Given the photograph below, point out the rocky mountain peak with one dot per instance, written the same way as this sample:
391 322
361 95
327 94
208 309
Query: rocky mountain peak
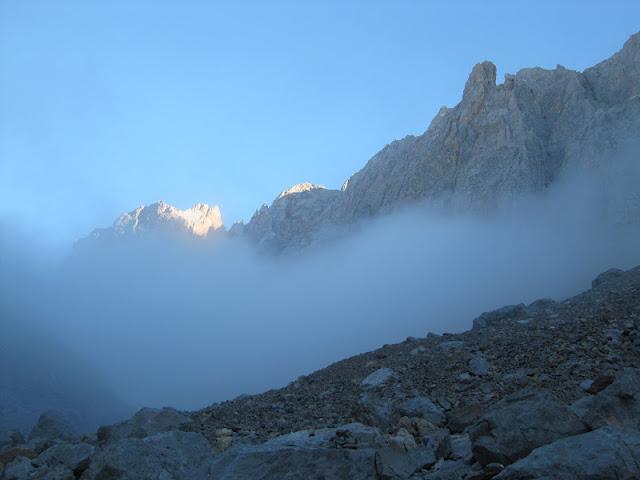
481 80
299 188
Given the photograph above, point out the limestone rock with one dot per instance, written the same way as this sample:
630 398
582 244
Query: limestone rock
519 423
602 453
170 455
617 405
145 422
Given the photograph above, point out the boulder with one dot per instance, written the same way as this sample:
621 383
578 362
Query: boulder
422 407
617 405
145 422
74 457
460 418
19 469
53 426
392 464
169 455
374 408
519 423
378 378
602 453
479 366
274 460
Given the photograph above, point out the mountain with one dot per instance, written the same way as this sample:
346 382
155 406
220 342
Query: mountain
200 220
502 141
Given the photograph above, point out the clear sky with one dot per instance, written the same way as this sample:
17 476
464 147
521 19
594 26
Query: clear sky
107 105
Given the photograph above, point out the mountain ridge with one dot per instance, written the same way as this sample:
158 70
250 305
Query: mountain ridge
499 142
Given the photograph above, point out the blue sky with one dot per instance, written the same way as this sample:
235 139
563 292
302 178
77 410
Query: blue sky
108 105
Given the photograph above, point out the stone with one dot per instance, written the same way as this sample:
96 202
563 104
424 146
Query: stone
602 453
275 460
617 405
519 423
53 426
374 409
402 441
19 469
479 366
75 457
145 422
378 378
600 383
422 407
391 464
170 455
460 418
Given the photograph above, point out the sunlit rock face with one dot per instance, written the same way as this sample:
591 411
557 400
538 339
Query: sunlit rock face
199 221
499 143
298 217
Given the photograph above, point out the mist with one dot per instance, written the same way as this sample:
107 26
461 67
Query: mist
187 323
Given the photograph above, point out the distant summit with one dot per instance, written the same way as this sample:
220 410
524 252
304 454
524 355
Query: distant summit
201 220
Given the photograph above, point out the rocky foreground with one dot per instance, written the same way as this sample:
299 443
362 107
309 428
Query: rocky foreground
544 391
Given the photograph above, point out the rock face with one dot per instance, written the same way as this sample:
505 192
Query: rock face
519 423
500 142
298 217
603 453
145 422
161 218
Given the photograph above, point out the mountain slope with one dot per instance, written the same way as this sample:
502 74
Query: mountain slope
499 143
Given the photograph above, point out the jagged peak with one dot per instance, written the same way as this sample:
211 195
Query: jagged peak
299 188
481 79
199 220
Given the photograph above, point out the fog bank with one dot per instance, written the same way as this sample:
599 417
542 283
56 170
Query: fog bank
162 322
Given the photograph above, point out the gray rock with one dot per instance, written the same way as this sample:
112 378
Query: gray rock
603 453
460 418
461 447
479 366
617 405
74 457
392 464
270 461
422 407
448 470
378 378
145 422
374 409
19 469
170 455
519 423
352 435
53 426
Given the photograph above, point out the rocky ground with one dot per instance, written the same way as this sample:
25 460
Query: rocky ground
542 391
